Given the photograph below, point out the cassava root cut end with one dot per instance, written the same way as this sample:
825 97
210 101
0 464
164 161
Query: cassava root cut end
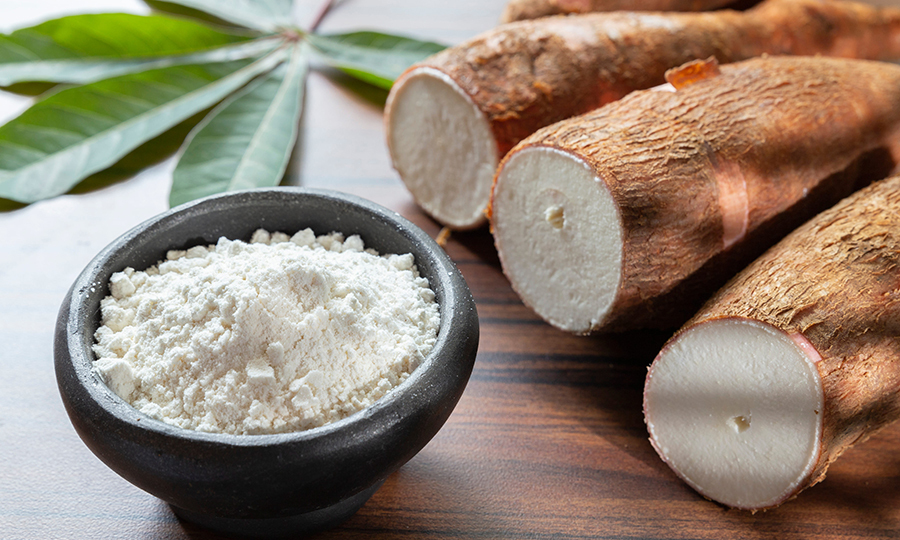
734 407
442 146
565 231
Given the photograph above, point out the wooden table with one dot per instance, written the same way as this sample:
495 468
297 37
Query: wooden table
547 442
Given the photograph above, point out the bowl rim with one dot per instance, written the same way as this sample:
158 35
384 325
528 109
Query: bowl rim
450 298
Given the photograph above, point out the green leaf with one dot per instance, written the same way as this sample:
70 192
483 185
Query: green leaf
24 76
112 36
373 57
86 48
149 153
78 131
160 6
266 15
247 140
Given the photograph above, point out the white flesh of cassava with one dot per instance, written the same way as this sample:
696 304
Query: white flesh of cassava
734 406
442 146
559 237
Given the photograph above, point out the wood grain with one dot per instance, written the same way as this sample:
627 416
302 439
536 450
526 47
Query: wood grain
548 440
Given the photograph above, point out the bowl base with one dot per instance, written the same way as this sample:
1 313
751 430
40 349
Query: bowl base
298 524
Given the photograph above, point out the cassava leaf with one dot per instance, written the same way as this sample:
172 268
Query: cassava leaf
77 71
78 131
247 140
113 36
149 153
160 6
266 15
373 57
86 48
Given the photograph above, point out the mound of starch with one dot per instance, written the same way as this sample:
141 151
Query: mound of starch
279 334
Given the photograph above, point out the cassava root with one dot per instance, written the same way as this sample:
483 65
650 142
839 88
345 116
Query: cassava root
520 10
450 119
792 362
631 215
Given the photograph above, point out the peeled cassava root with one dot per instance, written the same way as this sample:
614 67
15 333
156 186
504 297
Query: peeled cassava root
451 118
520 10
790 364
630 216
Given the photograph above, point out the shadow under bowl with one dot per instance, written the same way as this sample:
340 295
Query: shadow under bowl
264 485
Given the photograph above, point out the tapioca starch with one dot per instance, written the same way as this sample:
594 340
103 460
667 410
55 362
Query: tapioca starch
279 334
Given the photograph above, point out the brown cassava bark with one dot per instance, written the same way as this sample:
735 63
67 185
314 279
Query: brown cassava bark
707 177
519 10
529 74
836 281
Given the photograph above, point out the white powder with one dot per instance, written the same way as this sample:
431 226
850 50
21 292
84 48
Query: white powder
281 334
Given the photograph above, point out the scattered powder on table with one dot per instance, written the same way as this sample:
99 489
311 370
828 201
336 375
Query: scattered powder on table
281 334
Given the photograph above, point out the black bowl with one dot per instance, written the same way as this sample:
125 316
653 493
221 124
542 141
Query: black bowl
263 485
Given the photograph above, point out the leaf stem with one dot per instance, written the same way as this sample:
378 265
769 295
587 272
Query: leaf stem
326 7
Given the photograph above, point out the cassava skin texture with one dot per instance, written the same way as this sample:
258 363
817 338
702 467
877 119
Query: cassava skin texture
826 299
631 215
450 119
519 10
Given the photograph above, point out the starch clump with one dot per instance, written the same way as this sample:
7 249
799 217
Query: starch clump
279 334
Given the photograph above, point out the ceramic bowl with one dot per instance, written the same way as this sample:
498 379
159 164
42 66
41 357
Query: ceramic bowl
265 485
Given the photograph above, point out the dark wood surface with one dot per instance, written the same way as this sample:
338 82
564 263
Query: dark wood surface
548 440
